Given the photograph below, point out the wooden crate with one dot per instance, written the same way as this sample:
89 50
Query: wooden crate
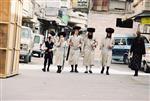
2 61
19 13
16 62
9 62
13 10
3 35
18 38
4 10
11 36
10 27
6 64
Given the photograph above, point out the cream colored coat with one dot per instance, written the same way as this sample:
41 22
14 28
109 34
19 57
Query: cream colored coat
60 50
74 49
88 51
106 51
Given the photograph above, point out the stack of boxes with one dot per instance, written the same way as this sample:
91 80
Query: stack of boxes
10 27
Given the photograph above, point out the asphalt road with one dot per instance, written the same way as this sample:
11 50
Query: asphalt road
33 84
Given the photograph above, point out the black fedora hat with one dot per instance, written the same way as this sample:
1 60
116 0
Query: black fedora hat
109 30
76 28
91 30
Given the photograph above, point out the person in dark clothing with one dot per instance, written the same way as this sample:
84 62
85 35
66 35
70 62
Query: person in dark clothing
137 49
48 53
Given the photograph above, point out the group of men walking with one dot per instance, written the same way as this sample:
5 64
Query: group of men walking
57 46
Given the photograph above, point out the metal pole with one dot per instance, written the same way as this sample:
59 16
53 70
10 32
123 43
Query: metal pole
88 12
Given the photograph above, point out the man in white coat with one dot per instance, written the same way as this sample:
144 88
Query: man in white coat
106 48
75 44
89 45
60 51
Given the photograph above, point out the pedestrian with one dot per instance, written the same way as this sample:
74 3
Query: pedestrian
137 49
89 45
106 49
60 51
48 58
74 51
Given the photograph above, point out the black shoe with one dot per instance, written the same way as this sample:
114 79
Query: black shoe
107 73
43 70
76 71
90 71
47 70
135 75
72 69
86 72
59 71
102 71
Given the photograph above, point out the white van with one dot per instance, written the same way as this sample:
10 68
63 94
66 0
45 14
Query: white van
38 41
26 44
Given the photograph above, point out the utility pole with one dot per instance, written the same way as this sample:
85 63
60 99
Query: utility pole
89 3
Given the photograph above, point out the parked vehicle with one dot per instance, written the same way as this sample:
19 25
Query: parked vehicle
26 45
38 41
122 46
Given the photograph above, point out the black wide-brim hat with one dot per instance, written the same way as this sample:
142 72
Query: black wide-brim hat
62 33
76 28
91 30
109 30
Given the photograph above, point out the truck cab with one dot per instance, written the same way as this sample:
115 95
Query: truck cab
26 44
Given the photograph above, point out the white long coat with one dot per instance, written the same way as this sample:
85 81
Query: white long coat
74 49
88 51
60 50
106 52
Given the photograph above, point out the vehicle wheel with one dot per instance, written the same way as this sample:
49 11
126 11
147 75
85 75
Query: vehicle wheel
26 60
126 60
39 55
146 68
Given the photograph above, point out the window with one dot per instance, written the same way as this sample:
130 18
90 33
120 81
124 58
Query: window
117 41
120 41
129 41
36 39
25 33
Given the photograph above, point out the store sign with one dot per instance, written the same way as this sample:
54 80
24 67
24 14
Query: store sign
63 14
145 20
80 3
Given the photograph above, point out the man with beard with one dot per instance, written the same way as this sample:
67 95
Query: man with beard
106 49
74 44
137 49
89 45
60 51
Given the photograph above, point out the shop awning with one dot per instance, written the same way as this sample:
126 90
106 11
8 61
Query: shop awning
138 17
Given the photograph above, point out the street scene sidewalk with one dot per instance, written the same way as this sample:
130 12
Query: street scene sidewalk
33 84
